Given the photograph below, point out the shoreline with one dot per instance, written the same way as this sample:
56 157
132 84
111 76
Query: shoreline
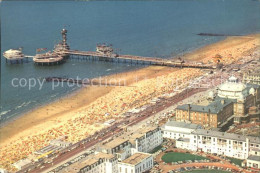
74 92
70 93
85 110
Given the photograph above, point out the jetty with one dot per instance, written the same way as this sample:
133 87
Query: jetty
134 59
214 34
106 53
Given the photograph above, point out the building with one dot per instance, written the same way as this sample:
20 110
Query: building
176 130
104 49
232 99
121 147
122 153
3 170
192 137
243 96
252 77
137 163
145 140
60 143
212 115
253 162
22 164
95 163
54 146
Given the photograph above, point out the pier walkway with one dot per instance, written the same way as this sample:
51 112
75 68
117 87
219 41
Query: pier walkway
134 59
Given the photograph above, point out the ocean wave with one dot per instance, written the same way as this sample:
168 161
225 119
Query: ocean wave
22 105
54 95
4 112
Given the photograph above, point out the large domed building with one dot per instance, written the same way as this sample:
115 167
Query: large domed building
232 98
243 96
232 89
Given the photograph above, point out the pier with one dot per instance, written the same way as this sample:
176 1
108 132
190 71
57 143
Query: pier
103 52
133 59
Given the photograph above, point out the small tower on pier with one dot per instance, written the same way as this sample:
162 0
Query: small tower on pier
62 47
64 39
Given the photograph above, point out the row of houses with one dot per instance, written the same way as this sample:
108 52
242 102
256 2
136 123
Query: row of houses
128 154
194 137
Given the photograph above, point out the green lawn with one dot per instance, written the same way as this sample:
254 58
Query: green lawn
236 161
175 157
156 149
206 171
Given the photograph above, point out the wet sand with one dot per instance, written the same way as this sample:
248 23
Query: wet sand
83 112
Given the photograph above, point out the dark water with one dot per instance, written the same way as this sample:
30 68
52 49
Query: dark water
148 28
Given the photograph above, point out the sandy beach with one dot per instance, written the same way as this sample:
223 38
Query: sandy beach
82 113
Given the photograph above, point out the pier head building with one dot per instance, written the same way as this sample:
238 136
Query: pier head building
232 100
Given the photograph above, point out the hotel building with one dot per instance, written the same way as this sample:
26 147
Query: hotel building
193 137
146 139
137 163
121 147
122 154
95 163
252 77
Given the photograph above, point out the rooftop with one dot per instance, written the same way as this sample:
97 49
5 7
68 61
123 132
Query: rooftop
135 136
251 85
148 129
103 155
91 159
255 158
183 125
225 135
136 158
75 168
22 162
214 107
115 142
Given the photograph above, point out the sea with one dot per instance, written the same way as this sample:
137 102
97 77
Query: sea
161 29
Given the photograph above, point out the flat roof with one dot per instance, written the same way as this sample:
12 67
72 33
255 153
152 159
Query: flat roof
148 129
103 155
255 158
183 125
137 135
115 142
136 158
86 162
22 162
251 85
225 135
140 133
89 160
